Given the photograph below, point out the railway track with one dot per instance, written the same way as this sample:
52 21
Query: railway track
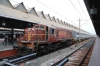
31 59
8 58
26 59
79 57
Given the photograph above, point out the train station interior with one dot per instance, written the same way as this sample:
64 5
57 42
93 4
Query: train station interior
16 21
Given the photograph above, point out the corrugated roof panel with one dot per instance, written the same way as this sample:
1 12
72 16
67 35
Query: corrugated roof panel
63 22
57 20
66 24
41 14
60 21
20 7
53 18
47 16
32 11
6 3
29 17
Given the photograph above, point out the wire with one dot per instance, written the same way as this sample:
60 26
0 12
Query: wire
82 8
84 22
50 9
55 11
76 9
14 1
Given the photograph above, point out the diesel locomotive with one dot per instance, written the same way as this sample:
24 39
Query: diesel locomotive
42 38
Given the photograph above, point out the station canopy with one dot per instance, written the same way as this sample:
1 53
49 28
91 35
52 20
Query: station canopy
11 16
93 7
9 22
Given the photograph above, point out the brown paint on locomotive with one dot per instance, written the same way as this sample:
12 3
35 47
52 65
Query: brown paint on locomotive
51 35
44 35
37 34
69 34
63 34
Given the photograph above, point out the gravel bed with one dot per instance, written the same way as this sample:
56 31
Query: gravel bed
48 60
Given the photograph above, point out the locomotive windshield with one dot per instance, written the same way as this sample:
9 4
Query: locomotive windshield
36 26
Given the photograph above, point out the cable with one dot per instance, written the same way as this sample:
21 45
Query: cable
54 11
14 1
82 8
76 9
84 22
50 9
71 21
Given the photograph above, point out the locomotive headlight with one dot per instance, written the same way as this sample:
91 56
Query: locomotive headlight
29 29
32 29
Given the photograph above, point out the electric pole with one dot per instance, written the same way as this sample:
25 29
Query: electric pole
79 29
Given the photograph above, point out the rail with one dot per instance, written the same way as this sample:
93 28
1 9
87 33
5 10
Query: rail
8 62
62 62
80 64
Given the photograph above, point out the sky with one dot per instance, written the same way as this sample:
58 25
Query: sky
67 10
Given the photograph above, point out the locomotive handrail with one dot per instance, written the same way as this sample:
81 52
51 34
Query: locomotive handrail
39 39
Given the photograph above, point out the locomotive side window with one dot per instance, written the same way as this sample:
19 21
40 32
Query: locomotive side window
51 31
36 26
42 27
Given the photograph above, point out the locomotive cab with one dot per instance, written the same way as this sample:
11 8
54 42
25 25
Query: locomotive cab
33 36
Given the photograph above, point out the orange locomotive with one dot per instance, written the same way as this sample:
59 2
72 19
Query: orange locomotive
43 38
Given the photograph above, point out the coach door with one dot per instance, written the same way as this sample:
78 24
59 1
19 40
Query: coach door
46 33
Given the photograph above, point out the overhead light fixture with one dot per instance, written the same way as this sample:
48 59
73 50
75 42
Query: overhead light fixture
93 11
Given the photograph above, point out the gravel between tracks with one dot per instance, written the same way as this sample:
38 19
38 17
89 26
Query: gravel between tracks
51 58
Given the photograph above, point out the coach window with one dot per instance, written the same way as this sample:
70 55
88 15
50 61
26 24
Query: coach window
51 31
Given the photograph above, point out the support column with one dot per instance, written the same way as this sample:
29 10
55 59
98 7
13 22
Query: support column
12 33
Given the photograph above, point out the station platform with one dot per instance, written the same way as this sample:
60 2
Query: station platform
7 46
95 57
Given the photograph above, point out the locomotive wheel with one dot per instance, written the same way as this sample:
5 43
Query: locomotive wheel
52 47
70 42
66 43
44 49
24 51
